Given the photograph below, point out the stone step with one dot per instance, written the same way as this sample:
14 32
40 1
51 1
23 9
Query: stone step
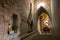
37 36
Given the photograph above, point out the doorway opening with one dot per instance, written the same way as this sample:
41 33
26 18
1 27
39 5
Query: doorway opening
43 21
15 23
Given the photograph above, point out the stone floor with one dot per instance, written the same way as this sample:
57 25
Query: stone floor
14 37
11 37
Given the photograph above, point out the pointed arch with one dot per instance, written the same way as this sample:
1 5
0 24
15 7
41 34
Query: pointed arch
40 11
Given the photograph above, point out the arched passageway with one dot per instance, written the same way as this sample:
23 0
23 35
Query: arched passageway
43 20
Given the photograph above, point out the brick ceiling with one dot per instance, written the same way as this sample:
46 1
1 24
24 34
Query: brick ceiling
47 2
